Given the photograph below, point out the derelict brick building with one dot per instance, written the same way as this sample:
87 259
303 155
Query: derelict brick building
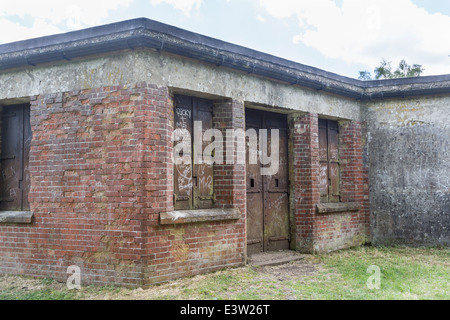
88 179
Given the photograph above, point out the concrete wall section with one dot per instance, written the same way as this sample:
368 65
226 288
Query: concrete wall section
408 150
127 68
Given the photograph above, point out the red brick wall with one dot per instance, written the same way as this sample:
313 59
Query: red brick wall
1 109
190 249
230 187
101 171
85 162
323 232
305 177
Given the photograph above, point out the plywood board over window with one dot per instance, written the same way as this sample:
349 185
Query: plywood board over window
15 149
193 178
329 161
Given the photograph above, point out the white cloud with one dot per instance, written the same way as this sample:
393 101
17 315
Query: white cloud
260 18
17 32
365 31
184 5
50 16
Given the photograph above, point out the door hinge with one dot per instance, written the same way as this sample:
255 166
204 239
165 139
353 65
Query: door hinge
7 158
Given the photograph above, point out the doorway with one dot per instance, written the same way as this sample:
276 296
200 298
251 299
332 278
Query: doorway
267 195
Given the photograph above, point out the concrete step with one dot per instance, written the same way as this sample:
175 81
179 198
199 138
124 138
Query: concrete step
273 258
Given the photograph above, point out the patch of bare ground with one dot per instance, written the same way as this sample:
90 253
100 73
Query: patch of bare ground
226 284
295 270
299 271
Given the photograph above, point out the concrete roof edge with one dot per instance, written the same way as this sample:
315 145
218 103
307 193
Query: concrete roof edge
143 32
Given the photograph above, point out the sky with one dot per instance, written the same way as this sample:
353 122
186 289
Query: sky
339 36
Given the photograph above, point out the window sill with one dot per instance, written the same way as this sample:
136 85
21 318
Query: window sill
204 215
337 207
16 217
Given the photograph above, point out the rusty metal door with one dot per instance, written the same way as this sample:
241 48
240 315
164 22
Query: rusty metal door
255 182
15 146
267 195
193 180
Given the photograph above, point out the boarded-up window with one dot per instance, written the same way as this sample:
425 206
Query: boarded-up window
15 148
329 160
193 180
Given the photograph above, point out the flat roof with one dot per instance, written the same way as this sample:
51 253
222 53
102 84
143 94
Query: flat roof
146 33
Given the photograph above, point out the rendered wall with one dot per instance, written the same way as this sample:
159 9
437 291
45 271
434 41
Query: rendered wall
176 73
408 152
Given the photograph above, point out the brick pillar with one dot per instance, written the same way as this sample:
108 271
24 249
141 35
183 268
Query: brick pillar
229 178
156 111
366 194
304 175
1 110
351 161
352 170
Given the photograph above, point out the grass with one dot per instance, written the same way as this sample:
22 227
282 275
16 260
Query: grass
45 293
405 273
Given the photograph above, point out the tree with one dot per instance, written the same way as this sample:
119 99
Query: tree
384 71
365 75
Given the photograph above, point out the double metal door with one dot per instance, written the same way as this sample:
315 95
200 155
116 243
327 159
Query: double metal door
267 195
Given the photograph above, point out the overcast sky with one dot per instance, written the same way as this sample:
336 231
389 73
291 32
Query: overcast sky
341 36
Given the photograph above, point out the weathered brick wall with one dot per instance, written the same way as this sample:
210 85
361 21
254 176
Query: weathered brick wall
88 180
305 177
346 229
230 178
1 109
323 232
194 248
83 157
101 170
365 173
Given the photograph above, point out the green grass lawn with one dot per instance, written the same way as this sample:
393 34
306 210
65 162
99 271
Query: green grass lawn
405 273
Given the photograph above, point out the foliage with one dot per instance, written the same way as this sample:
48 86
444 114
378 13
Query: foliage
384 71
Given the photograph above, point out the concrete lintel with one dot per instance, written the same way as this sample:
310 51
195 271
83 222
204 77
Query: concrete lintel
204 215
16 217
337 207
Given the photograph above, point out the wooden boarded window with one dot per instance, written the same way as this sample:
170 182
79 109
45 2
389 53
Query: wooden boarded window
193 182
329 160
15 149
